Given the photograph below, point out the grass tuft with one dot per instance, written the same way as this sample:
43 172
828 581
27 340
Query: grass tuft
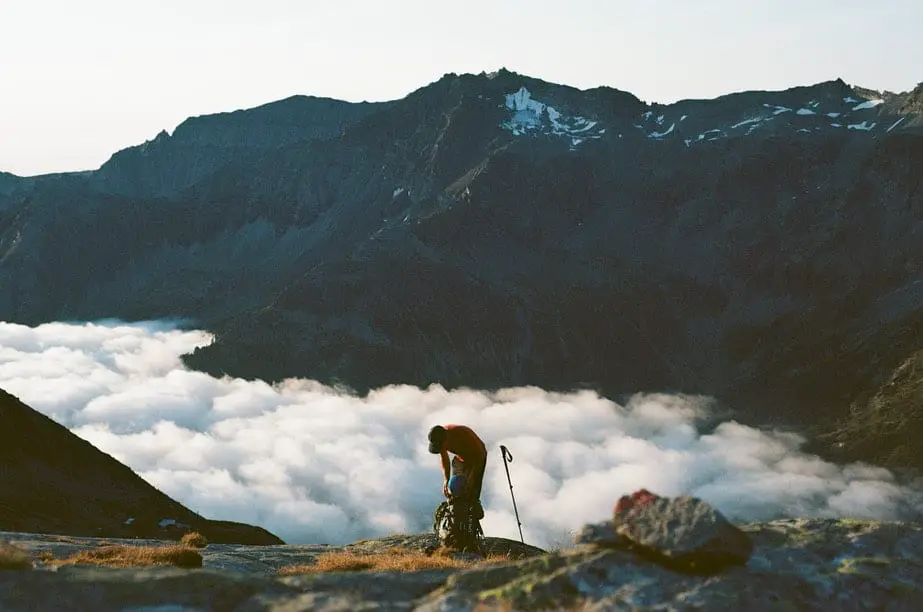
133 556
194 539
13 557
393 560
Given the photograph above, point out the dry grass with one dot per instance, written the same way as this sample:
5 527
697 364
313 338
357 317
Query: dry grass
194 539
85 542
506 606
13 557
133 556
394 560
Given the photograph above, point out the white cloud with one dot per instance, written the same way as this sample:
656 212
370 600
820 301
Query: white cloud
318 465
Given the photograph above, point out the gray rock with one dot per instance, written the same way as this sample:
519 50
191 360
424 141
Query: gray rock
823 565
684 533
805 564
167 608
103 589
602 534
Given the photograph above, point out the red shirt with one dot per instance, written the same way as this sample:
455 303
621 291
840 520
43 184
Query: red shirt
462 441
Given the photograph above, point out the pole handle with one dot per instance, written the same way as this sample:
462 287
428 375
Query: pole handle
507 455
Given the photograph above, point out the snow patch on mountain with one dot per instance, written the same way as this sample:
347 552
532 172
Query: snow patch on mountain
868 104
705 135
895 124
746 121
778 109
527 113
662 134
760 118
532 116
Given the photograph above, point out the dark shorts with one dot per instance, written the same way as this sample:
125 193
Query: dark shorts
473 473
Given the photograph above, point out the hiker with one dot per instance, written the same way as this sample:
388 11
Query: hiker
470 457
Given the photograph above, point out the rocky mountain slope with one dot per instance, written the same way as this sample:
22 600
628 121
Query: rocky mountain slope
55 482
210 142
763 247
884 426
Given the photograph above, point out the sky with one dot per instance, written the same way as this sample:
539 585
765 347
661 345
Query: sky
317 465
82 80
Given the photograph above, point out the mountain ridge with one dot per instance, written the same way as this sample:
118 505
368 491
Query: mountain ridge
498 230
187 126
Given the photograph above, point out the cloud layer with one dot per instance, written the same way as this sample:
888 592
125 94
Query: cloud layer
317 465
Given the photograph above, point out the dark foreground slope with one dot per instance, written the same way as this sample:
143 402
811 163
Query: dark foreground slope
488 230
52 481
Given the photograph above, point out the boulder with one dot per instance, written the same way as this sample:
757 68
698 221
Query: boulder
600 534
683 533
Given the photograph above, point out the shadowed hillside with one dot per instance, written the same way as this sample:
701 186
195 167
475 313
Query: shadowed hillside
52 481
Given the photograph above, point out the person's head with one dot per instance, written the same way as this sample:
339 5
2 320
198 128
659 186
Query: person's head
437 437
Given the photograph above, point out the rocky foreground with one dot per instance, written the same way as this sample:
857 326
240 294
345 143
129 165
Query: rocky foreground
799 564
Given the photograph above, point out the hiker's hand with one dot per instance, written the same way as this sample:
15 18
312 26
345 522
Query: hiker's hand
445 488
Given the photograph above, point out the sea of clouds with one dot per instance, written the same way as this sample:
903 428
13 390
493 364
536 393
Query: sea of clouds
315 464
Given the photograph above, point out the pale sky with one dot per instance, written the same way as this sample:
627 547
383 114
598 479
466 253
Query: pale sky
81 79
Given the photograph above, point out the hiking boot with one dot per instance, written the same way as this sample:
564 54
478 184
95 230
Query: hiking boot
477 509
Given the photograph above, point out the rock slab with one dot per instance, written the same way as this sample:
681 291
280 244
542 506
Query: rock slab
684 533
825 565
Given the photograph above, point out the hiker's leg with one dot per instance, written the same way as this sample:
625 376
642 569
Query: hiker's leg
478 480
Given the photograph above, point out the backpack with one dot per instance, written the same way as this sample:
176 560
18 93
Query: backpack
457 525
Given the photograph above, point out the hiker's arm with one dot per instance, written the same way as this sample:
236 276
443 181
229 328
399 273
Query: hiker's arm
446 471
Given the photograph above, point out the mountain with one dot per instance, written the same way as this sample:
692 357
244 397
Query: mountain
201 145
763 247
55 482
8 182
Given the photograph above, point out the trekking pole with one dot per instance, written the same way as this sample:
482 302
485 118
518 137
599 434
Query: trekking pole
507 455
